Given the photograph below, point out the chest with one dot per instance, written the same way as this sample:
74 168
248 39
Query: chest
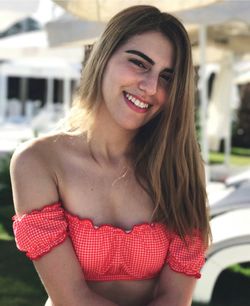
104 196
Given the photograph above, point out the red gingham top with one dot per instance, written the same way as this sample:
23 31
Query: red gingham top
106 252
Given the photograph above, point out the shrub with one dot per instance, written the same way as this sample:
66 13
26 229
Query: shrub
5 183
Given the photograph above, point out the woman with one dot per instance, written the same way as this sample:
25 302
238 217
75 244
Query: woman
113 211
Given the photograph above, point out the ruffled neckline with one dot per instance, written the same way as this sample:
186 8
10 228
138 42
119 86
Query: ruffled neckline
89 222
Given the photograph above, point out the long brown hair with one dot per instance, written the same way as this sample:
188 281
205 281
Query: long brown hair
167 158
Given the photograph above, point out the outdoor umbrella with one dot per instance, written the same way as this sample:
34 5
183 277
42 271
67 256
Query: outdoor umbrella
88 18
79 32
103 10
227 22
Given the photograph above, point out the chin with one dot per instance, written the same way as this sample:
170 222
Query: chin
132 126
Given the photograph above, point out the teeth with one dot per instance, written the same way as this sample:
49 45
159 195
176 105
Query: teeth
136 101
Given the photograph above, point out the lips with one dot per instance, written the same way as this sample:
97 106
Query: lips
136 103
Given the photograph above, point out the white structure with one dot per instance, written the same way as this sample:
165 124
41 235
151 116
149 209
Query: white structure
224 99
225 24
31 57
47 68
231 245
35 43
15 10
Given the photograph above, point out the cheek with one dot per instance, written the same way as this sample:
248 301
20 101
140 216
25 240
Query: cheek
112 79
163 95
123 76
122 73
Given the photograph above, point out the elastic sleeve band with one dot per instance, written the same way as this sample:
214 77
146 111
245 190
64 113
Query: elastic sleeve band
187 256
36 233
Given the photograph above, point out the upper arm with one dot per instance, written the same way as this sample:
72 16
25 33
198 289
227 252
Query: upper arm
176 288
34 186
32 178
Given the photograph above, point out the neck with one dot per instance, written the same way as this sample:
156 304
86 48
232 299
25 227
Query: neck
108 143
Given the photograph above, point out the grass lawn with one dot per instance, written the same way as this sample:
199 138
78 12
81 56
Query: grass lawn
19 282
237 158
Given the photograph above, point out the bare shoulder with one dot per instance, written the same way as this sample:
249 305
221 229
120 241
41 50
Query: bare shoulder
33 175
37 152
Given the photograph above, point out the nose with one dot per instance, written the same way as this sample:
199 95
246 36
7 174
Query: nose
149 84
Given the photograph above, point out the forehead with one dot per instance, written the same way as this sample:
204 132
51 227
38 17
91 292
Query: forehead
154 44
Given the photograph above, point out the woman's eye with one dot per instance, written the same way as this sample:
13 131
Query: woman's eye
138 63
168 78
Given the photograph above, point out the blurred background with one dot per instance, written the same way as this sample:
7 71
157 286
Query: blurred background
43 44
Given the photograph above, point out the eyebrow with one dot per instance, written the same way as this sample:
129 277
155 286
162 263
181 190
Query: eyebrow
148 59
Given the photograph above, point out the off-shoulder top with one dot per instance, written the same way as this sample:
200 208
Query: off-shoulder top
107 252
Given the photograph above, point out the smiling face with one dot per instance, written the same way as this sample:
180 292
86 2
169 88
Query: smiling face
136 80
